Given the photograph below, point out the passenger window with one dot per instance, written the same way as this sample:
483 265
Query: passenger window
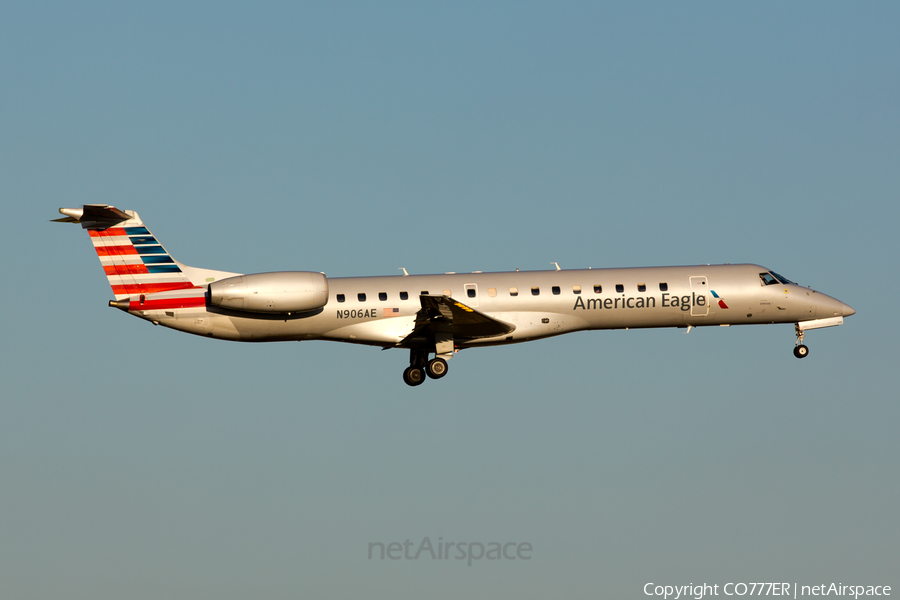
424 292
404 296
598 288
555 290
513 291
492 292
620 288
361 297
340 297
642 287
382 296
447 293
576 289
535 291
470 292
664 287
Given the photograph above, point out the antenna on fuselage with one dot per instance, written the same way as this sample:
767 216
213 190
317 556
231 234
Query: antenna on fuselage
557 266
405 274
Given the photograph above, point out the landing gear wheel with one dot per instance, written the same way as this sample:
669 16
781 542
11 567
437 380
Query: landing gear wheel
801 351
436 368
413 376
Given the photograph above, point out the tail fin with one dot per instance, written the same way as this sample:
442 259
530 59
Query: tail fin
134 262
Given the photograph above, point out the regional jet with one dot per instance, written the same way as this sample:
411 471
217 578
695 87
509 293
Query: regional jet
434 316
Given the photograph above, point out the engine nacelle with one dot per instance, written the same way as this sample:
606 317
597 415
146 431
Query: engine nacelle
280 292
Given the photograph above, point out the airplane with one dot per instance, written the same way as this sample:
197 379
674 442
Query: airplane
436 315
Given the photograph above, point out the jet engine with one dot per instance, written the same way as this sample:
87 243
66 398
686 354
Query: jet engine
279 292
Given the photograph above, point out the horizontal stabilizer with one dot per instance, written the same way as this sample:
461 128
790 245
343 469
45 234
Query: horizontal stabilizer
98 215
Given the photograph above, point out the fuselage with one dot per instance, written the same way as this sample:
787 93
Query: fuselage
435 315
381 311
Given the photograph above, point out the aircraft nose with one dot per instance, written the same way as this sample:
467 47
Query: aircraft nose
847 310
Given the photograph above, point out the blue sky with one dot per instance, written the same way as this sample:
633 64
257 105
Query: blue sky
355 139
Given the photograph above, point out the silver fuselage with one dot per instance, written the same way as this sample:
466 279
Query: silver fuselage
538 304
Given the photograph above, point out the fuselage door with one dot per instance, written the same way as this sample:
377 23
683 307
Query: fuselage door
699 296
471 298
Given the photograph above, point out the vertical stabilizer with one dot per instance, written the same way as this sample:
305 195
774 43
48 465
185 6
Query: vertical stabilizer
134 262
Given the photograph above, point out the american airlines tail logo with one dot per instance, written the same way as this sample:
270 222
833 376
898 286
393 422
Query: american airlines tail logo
721 302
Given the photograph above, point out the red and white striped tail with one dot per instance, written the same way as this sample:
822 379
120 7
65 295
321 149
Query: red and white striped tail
135 263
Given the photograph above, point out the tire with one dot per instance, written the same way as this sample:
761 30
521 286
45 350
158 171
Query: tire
801 351
436 368
413 376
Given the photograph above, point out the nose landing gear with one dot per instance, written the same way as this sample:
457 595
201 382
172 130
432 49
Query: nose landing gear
800 350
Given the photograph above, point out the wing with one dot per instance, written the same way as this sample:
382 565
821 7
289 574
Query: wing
444 315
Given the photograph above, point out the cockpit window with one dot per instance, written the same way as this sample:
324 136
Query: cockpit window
782 279
773 278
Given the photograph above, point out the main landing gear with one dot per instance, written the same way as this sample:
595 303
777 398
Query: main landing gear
800 350
420 367
413 376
